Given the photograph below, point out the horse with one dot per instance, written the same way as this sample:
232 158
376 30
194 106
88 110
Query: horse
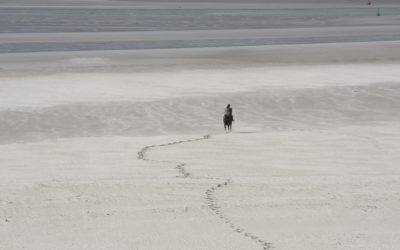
228 118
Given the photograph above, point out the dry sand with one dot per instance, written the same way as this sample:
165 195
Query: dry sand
103 147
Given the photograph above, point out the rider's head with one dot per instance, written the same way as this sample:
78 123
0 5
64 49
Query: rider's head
229 106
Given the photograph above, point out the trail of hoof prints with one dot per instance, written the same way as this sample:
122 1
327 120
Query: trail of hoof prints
210 193
180 166
213 205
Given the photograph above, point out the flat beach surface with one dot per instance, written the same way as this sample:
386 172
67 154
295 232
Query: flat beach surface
111 133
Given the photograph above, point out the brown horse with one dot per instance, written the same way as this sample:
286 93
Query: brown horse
228 118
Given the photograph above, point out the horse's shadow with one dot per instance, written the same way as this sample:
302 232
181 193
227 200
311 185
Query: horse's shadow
246 132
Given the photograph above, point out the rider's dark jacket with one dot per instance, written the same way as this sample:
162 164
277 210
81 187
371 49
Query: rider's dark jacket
228 111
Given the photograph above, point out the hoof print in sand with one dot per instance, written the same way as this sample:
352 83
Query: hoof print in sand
211 200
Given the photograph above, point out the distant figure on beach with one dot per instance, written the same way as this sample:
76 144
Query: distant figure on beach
228 118
228 110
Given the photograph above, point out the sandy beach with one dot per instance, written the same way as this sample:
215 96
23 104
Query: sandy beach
111 133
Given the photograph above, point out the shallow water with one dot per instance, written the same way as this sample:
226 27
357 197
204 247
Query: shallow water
130 19
18 20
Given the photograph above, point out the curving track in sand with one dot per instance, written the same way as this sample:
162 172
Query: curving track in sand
211 198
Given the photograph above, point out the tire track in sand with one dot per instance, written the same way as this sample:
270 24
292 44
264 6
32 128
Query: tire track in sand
211 199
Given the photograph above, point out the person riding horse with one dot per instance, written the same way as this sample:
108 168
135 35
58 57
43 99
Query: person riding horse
228 117
228 110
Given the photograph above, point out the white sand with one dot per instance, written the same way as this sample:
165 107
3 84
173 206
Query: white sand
106 149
